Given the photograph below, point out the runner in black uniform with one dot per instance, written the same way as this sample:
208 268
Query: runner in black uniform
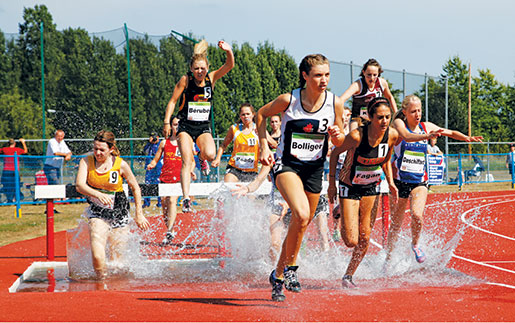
310 116
369 151
369 85
195 112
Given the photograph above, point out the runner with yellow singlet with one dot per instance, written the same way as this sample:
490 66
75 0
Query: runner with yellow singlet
100 178
243 164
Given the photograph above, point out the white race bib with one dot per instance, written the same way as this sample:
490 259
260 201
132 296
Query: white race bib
244 160
413 162
307 146
365 175
199 111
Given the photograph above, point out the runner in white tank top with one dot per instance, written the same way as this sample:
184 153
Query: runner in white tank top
310 117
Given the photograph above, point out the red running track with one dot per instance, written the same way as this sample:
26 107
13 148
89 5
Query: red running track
485 250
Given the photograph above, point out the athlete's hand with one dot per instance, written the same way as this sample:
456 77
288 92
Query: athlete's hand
193 176
142 222
394 192
434 134
151 165
240 190
215 162
475 139
331 191
166 130
265 156
225 46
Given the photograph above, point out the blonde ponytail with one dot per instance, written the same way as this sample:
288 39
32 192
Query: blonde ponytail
200 52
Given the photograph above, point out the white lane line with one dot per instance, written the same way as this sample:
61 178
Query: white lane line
464 220
483 264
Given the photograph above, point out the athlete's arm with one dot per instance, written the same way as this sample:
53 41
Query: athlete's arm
228 139
336 131
157 157
404 134
387 166
351 90
388 94
126 173
333 161
242 189
274 107
454 134
170 107
229 63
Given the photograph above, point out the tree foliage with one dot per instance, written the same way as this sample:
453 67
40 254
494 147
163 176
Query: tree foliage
86 84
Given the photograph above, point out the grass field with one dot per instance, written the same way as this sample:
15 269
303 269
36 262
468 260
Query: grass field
32 223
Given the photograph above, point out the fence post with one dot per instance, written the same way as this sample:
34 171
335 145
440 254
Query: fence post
50 229
460 178
17 185
512 170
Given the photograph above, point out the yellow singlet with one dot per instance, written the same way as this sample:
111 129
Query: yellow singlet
245 150
110 181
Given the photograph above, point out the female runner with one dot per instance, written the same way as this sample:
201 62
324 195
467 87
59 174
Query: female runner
370 85
99 178
369 150
243 165
170 173
310 115
410 171
195 113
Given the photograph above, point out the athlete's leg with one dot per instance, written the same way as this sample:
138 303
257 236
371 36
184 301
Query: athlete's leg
118 239
302 205
418 198
367 211
321 223
230 178
207 147
396 217
98 231
186 148
349 221
276 232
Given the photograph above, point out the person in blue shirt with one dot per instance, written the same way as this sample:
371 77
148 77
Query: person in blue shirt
152 175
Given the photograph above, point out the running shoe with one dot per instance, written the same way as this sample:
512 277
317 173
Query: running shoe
347 282
291 282
186 206
169 237
277 288
420 256
204 167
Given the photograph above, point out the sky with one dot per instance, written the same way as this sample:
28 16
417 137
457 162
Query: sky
416 36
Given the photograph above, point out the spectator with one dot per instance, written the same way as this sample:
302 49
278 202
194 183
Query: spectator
433 149
59 151
8 174
509 159
152 174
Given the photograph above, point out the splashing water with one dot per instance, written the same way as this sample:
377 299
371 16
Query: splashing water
241 225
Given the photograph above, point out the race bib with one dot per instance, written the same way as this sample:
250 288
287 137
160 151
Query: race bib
365 175
413 162
307 146
199 111
244 160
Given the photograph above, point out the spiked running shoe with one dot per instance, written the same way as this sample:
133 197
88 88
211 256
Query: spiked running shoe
204 167
186 206
277 288
291 282
169 237
420 256
347 282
